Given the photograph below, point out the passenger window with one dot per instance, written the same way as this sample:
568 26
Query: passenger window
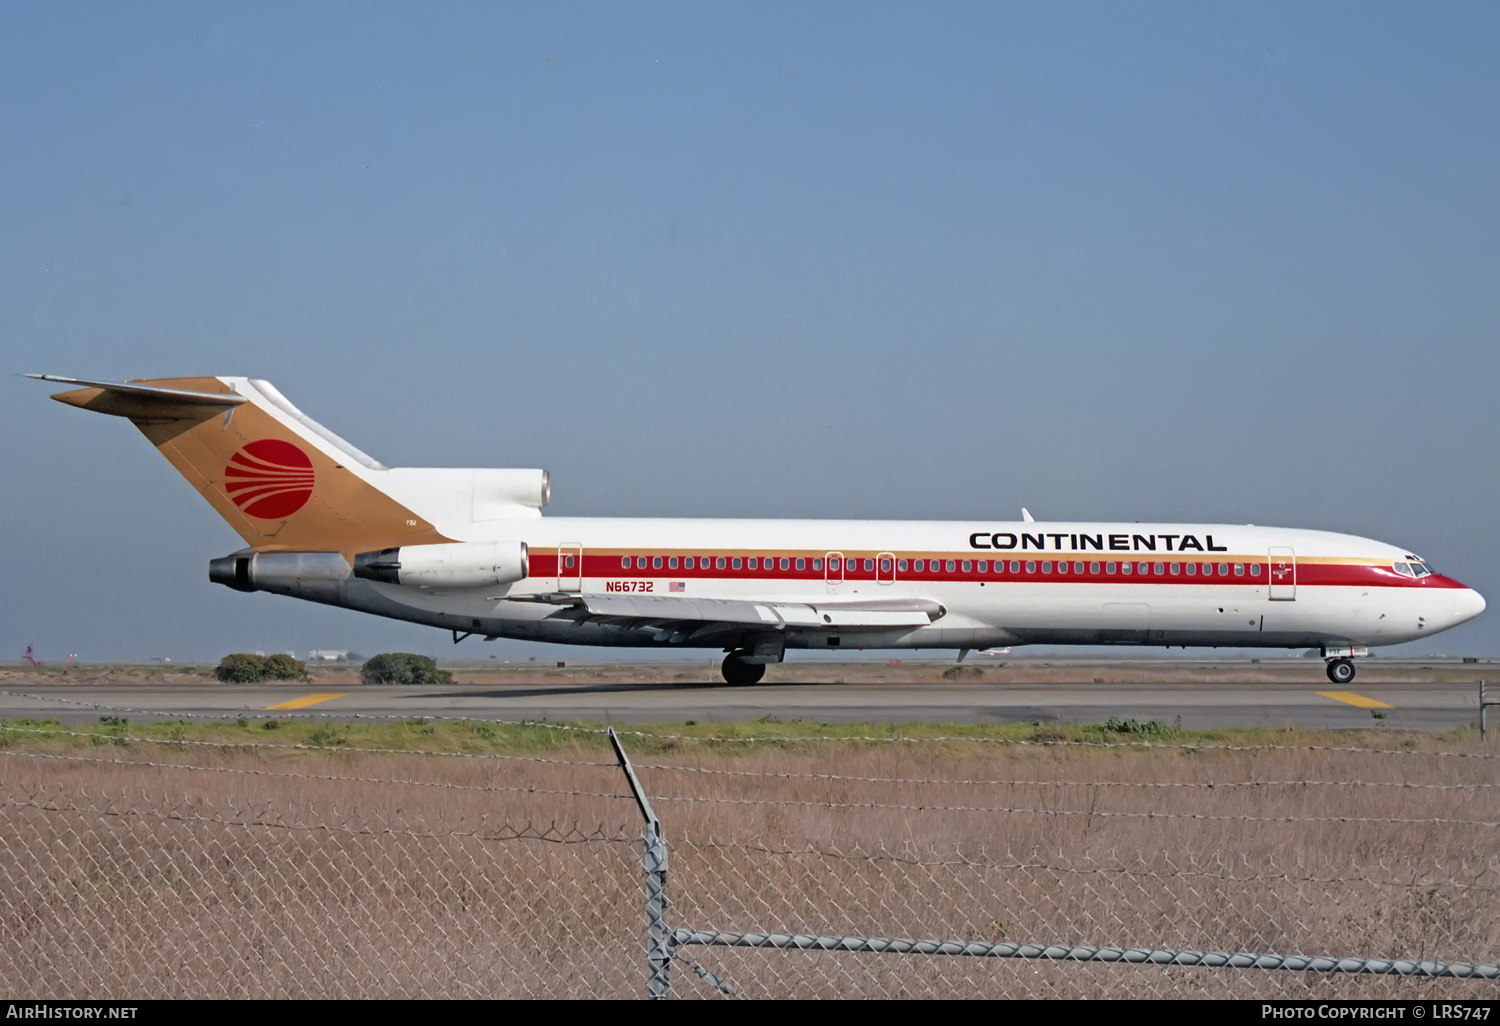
1094 568
817 564
1161 568
983 566
1031 566
1192 569
656 562
752 563
736 562
1062 566
786 563
833 564
1145 568
1254 569
1015 566
1239 569
885 566
672 563
1223 569
801 563
625 562
1176 569
1127 568
968 566
918 565
950 566
568 562
719 563
687 563
1078 568
869 565
1109 568
901 566
1046 566
640 562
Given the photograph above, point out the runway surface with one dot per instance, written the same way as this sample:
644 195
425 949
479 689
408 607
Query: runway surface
1200 706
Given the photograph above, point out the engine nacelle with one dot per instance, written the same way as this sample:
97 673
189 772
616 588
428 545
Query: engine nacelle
305 574
453 565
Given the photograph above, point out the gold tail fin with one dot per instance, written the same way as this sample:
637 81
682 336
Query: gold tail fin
282 482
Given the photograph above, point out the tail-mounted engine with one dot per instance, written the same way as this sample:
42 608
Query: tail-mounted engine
453 565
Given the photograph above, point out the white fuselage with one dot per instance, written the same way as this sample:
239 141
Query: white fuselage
1194 584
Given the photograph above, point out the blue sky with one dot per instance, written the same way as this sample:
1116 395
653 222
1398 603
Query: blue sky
1110 261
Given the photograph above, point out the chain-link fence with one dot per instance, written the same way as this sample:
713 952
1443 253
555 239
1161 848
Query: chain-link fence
142 869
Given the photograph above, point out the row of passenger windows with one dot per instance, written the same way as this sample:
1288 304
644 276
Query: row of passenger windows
937 566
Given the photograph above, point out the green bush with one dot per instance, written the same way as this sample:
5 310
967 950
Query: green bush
244 668
403 668
241 668
283 667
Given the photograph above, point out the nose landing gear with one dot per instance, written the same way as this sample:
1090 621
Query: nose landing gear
1341 671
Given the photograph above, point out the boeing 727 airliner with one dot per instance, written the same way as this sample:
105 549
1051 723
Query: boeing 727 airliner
470 552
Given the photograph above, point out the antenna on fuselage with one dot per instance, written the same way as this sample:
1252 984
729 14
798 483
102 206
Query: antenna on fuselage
1026 515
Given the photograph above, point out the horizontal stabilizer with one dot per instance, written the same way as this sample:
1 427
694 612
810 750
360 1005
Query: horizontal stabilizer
170 396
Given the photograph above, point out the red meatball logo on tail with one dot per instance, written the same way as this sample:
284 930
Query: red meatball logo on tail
269 479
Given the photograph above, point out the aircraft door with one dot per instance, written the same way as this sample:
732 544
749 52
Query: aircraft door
1283 574
833 570
885 568
570 568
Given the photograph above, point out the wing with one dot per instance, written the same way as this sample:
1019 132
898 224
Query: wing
700 618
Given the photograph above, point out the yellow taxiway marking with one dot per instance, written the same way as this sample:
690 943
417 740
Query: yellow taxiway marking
1353 699
307 700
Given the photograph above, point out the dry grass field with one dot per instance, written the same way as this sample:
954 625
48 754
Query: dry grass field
510 866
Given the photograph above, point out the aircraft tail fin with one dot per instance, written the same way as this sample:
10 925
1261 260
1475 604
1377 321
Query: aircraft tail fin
280 479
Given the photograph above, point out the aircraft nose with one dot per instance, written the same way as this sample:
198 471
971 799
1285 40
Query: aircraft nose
1467 605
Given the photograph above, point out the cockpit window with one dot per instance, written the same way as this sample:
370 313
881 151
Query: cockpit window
1414 569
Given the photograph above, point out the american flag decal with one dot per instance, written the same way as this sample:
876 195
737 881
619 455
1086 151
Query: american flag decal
677 586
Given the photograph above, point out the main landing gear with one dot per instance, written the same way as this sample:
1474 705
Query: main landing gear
1341 671
738 673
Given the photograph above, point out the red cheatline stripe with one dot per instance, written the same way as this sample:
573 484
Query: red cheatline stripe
1308 574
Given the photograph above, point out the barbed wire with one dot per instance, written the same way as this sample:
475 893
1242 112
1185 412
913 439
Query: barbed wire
307 776
1204 784
506 832
1071 812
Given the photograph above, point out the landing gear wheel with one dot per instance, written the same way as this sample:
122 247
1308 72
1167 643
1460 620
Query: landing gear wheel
1341 671
738 673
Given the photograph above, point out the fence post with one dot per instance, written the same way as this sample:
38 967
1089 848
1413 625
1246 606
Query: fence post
1483 708
654 858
